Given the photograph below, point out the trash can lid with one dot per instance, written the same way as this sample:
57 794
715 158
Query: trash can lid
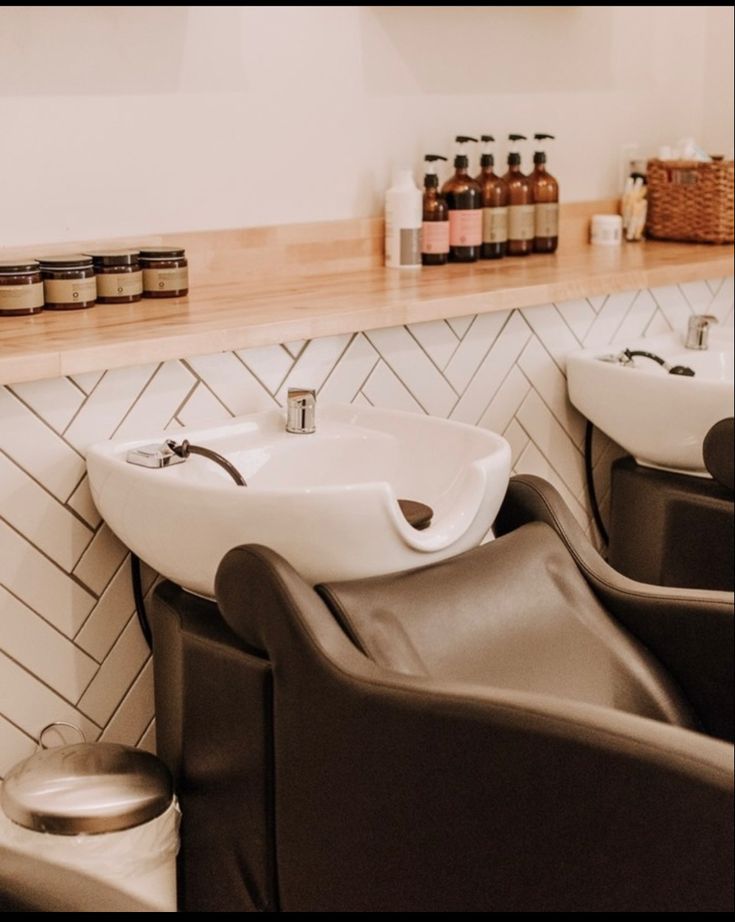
86 787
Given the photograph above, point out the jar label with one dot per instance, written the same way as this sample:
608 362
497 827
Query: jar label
495 225
547 219
166 279
70 291
435 237
119 284
521 222
465 227
21 297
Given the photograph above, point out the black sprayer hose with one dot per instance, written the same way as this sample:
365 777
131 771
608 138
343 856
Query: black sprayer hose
591 483
183 450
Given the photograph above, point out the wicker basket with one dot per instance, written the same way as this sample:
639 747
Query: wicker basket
692 201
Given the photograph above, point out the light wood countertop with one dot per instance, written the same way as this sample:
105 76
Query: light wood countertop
233 306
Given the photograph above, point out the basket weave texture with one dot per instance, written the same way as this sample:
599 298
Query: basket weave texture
691 201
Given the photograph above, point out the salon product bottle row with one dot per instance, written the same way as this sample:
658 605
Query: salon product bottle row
485 217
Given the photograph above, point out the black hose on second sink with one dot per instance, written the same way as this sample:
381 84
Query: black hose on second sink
183 451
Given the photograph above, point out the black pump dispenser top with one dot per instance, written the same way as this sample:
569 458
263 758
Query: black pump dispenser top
486 158
540 155
514 156
431 180
461 161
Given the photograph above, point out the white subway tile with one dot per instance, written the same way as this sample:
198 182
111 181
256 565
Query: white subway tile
202 409
697 294
722 303
517 438
410 363
106 407
553 441
349 374
384 389
313 365
578 314
295 346
270 364
82 503
40 584
608 319
714 285
115 675
157 402
491 373
475 345
551 385
596 301
15 746
87 381
637 319
30 704
101 559
673 305
505 403
233 383
37 448
460 325
658 324
437 339
42 650
40 517
135 712
557 338
55 400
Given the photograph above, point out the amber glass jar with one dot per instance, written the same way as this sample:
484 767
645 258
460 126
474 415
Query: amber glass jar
68 282
21 288
119 276
165 272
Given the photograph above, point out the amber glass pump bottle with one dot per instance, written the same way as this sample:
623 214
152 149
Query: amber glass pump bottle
546 197
494 204
435 226
464 200
521 215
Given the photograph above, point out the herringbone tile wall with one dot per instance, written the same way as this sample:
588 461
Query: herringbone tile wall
70 648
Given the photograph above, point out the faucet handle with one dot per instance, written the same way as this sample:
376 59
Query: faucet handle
301 410
698 330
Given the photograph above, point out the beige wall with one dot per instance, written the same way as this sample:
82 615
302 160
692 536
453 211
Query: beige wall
122 120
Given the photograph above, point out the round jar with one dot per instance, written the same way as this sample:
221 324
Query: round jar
21 288
165 272
119 276
68 282
606 230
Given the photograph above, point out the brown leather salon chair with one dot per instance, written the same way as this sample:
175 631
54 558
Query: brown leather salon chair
516 729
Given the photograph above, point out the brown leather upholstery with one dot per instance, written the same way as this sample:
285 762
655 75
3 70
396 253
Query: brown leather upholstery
719 453
396 777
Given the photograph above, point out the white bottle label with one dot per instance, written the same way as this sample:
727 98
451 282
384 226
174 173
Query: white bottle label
521 222
495 225
547 219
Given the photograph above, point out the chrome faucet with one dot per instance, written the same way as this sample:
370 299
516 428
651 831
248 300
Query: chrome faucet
301 410
698 331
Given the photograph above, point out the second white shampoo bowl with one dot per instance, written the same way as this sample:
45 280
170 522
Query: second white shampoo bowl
328 502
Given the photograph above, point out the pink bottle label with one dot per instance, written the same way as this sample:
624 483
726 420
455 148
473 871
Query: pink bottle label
465 227
435 237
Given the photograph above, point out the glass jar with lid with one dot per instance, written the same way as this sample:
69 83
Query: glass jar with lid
165 272
21 287
68 282
119 276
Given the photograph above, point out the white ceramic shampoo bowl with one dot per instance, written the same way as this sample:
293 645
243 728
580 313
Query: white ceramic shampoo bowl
661 419
327 502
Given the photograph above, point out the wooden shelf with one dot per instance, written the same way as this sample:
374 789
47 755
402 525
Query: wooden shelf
276 307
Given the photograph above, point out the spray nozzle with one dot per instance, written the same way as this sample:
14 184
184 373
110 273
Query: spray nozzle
540 155
542 137
432 157
464 138
461 161
516 137
486 137
514 154
430 177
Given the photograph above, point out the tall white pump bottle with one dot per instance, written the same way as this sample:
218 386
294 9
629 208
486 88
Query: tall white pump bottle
403 219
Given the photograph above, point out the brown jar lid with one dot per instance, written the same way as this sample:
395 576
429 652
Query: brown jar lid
65 261
161 252
11 266
114 257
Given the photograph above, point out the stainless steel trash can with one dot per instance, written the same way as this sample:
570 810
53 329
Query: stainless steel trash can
104 809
